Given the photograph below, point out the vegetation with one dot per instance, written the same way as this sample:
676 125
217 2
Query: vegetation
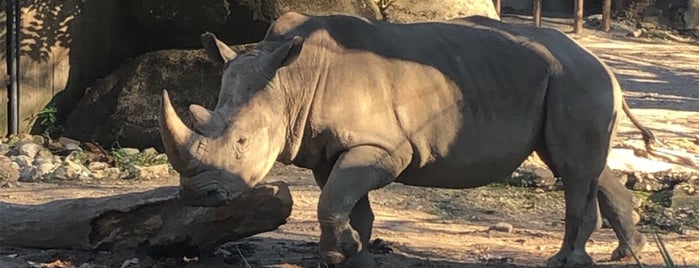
49 121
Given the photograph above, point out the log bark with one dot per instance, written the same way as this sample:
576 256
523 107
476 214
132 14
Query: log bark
154 221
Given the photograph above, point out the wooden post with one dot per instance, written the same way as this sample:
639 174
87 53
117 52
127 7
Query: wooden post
498 6
607 15
578 17
537 13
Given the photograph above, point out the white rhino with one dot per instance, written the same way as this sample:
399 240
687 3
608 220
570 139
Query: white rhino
449 104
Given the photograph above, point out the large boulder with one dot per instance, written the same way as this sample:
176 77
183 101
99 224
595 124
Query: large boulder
270 10
423 10
124 106
168 24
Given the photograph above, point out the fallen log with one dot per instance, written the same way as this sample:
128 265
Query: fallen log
154 221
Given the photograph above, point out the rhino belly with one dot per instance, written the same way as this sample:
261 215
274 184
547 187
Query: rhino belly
459 175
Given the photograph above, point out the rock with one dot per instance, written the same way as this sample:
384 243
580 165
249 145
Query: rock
4 148
73 147
150 151
269 10
8 170
68 171
637 202
425 10
97 166
22 160
128 151
46 168
178 23
29 149
635 217
543 177
502 227
634 33
42 160
124 105
151 172
30 174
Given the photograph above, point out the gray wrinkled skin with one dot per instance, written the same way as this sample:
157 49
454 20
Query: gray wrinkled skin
451 104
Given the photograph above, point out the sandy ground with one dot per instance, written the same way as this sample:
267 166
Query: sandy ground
419 227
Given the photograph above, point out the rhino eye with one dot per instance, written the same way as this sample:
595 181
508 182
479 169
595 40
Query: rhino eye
242 141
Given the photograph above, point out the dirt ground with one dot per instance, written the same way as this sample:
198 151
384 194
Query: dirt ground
420 227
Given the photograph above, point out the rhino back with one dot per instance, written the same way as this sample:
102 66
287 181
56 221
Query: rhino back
459 97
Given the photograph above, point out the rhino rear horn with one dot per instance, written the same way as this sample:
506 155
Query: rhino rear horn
181 143
208 122
219 53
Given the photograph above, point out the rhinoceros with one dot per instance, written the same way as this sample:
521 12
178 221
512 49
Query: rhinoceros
452 104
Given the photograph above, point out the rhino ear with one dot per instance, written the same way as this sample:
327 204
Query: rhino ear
207 122
219 53
288 52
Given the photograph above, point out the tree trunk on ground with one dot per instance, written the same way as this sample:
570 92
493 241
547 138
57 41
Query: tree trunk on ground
154 221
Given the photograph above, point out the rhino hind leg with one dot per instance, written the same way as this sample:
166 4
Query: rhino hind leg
616 205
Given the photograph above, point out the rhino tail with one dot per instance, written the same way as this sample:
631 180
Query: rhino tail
650 141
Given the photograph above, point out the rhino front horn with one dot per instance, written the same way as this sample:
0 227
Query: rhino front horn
180 142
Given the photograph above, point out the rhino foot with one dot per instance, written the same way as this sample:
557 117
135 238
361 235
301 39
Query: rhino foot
342 244
624 251
575 258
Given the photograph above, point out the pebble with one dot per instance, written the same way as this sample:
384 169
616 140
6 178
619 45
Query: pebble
502 227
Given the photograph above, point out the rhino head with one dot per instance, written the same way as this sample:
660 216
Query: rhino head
233 146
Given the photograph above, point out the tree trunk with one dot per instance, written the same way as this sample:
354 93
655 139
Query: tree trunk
154 221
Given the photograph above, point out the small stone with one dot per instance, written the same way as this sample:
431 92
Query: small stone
46 168
29 149
64 141
97 166
111 173
161 157
29 174
634 33
649 187
650 176
151 172
69 171
43 160
128 151
637 202
150 151
38 139
4 148
502 227
22 160
543 174
635 217
624 178
73 147
9 171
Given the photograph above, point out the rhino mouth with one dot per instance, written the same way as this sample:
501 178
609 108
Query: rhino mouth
204 191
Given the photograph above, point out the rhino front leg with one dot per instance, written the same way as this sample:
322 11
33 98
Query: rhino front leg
355 173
